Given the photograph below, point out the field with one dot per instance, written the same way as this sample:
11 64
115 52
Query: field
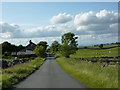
86 53
93 75
97 47
16 73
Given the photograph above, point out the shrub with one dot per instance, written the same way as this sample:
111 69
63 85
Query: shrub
101 45
40 51
66 50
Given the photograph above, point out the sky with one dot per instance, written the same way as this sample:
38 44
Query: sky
92 22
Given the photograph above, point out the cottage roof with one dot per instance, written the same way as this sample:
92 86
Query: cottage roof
31 46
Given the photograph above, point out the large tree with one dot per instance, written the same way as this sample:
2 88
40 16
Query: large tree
69 39
8 47
54 47
43 43
40 51
69 44
101 46
66 50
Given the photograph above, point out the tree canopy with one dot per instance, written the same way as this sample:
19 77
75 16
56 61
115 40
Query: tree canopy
101 45
69 44
40 51
54 47
43 43
69 39
8 47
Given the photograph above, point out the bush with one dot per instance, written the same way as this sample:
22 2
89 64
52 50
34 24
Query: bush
40 51
101 45
66 50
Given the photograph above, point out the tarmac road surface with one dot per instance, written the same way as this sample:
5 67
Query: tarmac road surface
50 75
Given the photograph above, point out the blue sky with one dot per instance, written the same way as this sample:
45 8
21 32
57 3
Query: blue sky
56 18
39 13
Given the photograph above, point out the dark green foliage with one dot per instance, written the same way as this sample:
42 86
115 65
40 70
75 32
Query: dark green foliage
70 39
40 51
66 50
8 47
69 44
54 47
43 43
20 47
101 45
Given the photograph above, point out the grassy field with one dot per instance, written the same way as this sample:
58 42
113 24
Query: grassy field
18 72
91 74
86 53
104 46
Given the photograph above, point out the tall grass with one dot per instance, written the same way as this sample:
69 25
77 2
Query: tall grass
18 72
91 74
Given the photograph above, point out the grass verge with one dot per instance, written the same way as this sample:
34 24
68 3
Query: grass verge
91 74
15 74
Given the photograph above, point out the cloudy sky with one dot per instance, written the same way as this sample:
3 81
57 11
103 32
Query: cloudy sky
93 23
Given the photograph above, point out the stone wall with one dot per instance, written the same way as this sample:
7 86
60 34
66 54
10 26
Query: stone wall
8 63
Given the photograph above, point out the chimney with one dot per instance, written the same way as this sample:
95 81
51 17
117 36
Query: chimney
30 42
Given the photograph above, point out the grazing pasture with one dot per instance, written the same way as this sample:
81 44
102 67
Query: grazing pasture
87 53
91 74
88 66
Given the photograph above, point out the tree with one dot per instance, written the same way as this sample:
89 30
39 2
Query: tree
69 39
69 44
66 50
40 51
8 47
5 47
20 47
43 43
101 45
54 47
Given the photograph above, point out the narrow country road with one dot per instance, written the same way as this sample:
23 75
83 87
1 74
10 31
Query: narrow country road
50 75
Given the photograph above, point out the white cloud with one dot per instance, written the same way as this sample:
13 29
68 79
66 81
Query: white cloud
90 26
61 18
102 22
5 35
102 17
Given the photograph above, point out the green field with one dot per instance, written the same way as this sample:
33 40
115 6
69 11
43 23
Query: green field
87 53
104 46
91 74
16 73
